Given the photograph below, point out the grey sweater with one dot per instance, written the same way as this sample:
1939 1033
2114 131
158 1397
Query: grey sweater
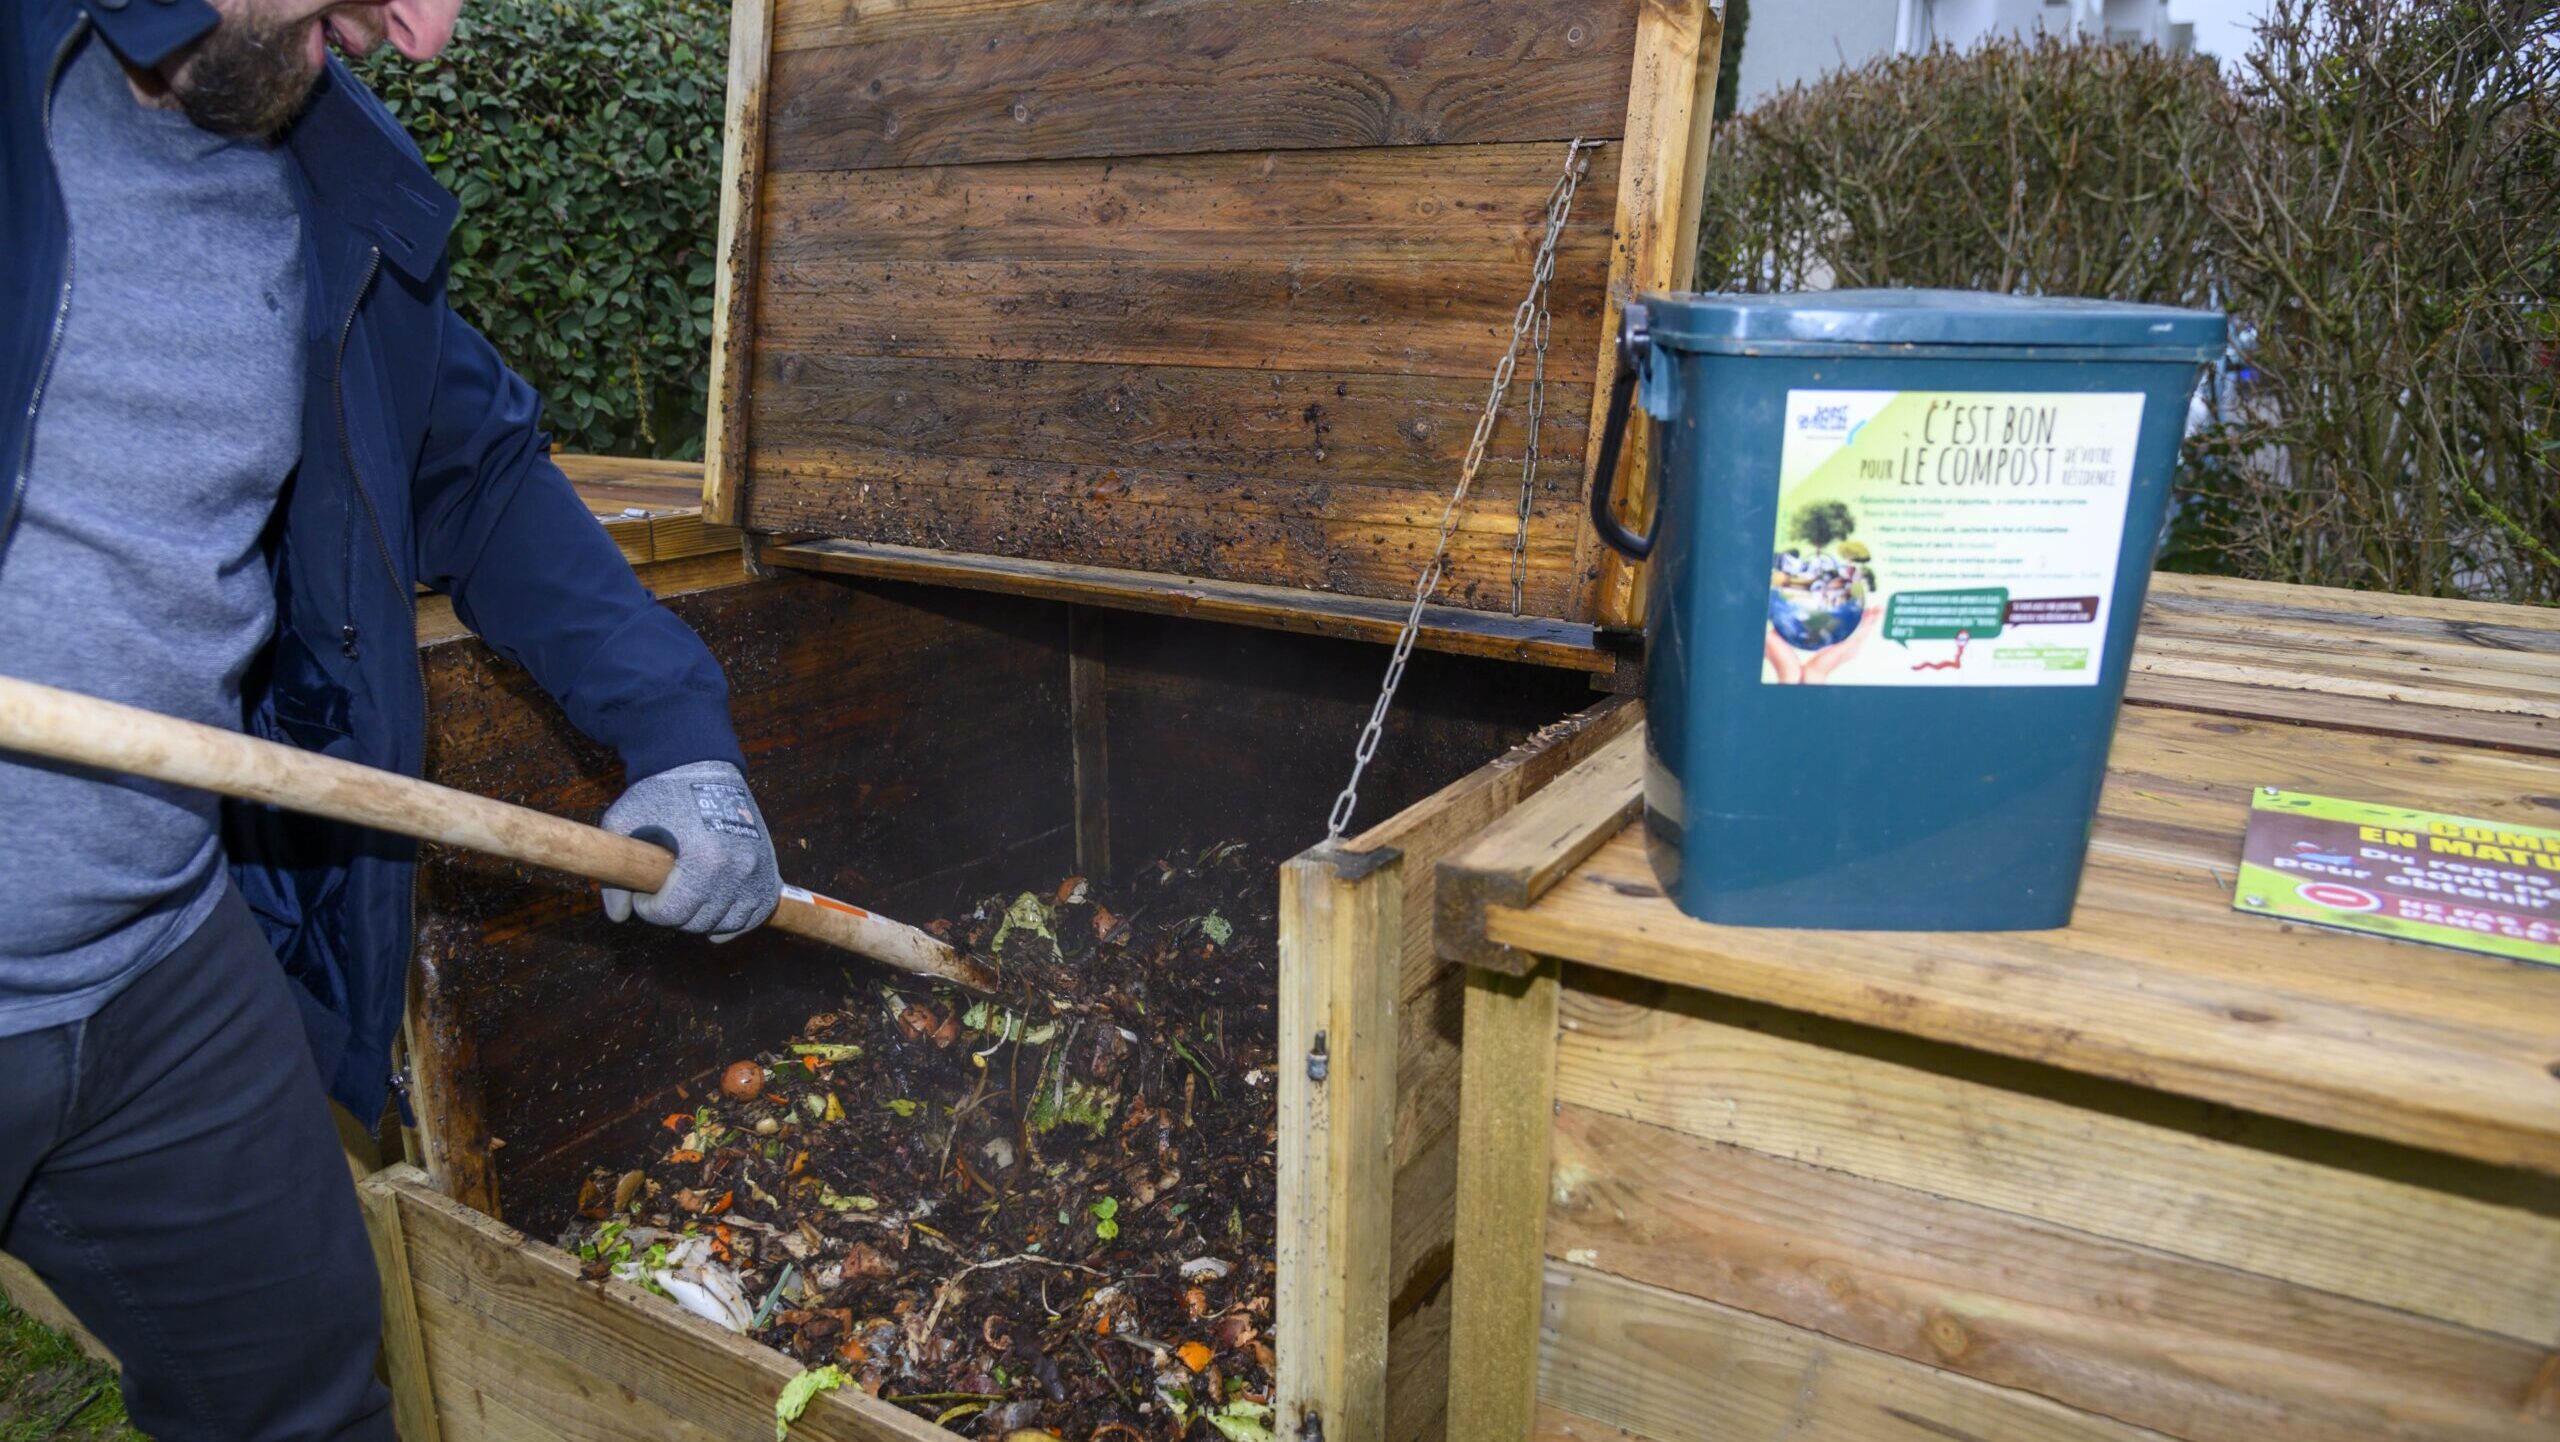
167 426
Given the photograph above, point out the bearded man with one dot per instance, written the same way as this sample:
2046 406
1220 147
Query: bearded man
240 426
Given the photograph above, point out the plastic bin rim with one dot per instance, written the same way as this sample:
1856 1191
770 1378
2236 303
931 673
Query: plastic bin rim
1893 321
1715 345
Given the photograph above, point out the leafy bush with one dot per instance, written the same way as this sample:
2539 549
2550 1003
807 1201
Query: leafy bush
583 139
2392 229
2059 167
2376 201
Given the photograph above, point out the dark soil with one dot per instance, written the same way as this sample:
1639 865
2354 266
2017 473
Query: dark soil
1051 1209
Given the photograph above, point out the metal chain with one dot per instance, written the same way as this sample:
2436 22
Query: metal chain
1524 321
1529 455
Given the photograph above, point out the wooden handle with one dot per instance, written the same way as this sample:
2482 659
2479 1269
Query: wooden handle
66 726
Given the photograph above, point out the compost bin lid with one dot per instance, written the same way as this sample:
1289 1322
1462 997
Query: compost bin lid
1932 318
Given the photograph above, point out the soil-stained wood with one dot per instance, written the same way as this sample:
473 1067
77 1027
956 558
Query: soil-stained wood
1481 203
1218 732
1664 1365
520 1348
1661 189
2420 1232
1445 629
1086 77
2185 1347
742 172
1361 313
902 745
1346 537
1222 429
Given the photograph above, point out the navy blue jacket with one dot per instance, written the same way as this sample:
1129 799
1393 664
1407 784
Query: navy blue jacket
423 461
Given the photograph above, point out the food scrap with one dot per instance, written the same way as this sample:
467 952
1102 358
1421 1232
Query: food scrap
1048 1211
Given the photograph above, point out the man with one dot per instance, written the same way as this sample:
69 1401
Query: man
239 424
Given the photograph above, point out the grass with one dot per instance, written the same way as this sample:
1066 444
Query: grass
51 1391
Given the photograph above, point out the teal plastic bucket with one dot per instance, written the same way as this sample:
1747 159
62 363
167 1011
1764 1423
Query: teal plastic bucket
1900 549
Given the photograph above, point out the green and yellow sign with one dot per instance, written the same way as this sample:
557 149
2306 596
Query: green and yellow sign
2457 881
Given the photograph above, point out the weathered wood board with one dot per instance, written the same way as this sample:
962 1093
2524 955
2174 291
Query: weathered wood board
2168 1172
927 745
1206 289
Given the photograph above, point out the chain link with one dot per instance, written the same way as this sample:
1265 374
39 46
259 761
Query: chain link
1529 455
1529 322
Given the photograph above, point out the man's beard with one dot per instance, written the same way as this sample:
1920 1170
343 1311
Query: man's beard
249 77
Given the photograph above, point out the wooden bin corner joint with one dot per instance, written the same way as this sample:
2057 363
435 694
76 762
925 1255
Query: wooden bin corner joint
1341 929
733 299
1508 1091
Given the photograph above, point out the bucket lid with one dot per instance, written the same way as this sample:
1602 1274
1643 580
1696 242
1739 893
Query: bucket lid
1930 317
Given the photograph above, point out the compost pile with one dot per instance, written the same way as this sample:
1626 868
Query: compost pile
1049 1210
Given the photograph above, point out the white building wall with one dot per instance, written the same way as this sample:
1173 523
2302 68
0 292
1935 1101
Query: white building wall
1802 40
1789 41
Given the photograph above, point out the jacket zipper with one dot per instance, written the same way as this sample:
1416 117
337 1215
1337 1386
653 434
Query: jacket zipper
62 300
381 539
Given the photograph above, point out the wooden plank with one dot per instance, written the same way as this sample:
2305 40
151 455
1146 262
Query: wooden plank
1366 312
1418 1369
2492 623
1340 926
1665 1365
1661 185
1445 628
1515 862
2155 983
813 24
609 483
1359 540
404 1341
1088 683
1484 203
437 622
1429 1000
2417 1231
1086 78
1555 1424
2400 666
2150 1337
1504 1129
28 1293
1232 426
2178 787
733 297
521 1348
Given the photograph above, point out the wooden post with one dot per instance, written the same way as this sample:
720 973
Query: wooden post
1661 189
733 292
1090 742
404 1343
1505 1125
1341 951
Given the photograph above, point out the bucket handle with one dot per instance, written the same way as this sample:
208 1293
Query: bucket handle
1635 347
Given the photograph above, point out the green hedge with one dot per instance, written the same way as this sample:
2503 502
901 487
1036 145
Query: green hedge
583 139
2373 194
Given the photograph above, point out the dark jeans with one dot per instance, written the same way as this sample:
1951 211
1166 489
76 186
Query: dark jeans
169 1168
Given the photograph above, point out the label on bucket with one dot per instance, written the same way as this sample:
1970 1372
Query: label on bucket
1947 538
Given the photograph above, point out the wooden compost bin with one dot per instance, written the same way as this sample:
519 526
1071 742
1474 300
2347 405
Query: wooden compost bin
912 746
1089 381
2172 1171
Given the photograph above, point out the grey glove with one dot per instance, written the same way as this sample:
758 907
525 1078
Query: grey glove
725 882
